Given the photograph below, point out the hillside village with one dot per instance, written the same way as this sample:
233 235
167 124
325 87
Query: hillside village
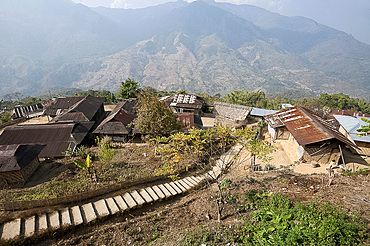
51 140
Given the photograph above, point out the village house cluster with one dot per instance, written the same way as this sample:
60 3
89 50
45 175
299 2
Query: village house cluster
75 121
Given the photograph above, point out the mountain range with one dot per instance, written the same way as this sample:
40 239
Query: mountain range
203 46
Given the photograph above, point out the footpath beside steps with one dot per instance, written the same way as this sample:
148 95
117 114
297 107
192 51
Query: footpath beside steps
85 213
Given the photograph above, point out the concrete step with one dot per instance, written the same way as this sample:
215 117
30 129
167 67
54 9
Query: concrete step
144 194
88 212
190 181
101 208
54 220
217 171
121 203
152 193
164 190
170 189
131 203
11 229
211 174
42 224
184 184
179 186
196 180
137 197
200 178
29 226
175 187
77 218
66 217
112 206
159 192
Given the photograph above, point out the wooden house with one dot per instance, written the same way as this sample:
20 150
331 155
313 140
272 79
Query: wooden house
18 162
311 137
231 115
57 137
117 124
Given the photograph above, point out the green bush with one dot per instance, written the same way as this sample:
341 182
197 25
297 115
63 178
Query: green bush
106 153
276 220
280 222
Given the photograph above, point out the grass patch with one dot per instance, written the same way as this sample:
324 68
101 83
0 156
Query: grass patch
276 220
127 164
364 171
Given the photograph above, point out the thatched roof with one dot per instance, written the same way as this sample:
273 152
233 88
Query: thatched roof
232 111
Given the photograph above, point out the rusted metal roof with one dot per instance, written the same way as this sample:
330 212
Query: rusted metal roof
347 112
117 121
56 137
232 111
305 126
16 157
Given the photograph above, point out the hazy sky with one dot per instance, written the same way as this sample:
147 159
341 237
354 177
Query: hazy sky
351 16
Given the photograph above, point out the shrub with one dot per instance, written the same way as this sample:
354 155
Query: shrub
106 153
279 222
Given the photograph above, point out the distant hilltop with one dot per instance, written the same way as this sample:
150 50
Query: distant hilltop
198 47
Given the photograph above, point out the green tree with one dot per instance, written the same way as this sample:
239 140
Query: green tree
128 89
150 90
244 97
154 117
365 128
109 96
5 117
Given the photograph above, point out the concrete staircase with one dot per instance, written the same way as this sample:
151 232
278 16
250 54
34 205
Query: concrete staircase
85 213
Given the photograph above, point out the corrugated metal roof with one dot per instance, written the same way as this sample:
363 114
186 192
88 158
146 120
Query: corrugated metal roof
351 124
188 101
113 128
262 112
306 126
17 157
347 112
61 105
232 111
56 137
27 110
130 106
83 110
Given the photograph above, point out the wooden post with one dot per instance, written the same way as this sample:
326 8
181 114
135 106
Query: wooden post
341 154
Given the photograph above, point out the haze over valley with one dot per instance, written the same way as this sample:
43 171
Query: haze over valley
203 46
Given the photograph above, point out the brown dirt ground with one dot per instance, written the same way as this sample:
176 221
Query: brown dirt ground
166 222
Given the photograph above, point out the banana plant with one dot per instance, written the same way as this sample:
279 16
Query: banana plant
86 165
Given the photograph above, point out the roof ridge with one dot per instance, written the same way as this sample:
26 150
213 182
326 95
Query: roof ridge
328 128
